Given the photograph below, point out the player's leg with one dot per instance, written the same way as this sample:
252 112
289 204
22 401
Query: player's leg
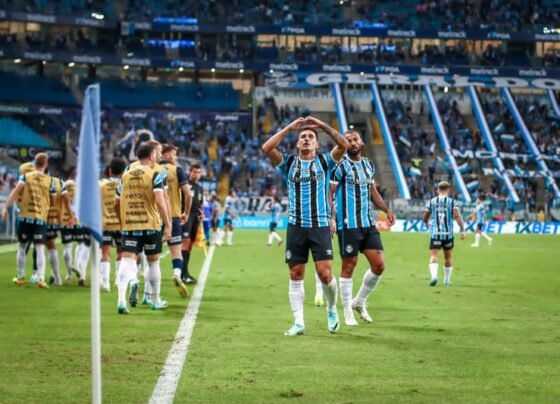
190 228
348 243
84 247
127 269
448 269
320 243
485 235
67 238
230 233
23 247
319 301
477 235
153 247
174 245
297 252
53 258
105 264
435 246
275 235
34 274
372 248
40 238
206 225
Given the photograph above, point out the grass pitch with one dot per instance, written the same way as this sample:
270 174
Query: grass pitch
494 336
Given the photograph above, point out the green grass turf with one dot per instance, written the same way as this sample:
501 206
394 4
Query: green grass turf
491 337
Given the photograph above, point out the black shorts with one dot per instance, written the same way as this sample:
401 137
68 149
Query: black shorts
300 240
176 232
273 226
112 236
52 231
215 223
31 232
82 235
439 244
353 241
228 222
68 234
190 228
137 241
479 226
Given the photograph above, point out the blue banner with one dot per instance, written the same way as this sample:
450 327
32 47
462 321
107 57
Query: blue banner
258 222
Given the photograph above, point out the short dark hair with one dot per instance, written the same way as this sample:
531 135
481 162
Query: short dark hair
195 167
145 150
166 148
347 132
309 128
117 166
482 197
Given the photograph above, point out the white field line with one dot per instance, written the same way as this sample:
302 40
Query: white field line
164 392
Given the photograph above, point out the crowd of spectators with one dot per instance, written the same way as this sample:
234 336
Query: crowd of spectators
495 15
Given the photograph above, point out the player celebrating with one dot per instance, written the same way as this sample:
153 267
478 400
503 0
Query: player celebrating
37 191
275 210
309 212
229 215
141 206
479 213
443 210
353 183
111 225
180 198
190 227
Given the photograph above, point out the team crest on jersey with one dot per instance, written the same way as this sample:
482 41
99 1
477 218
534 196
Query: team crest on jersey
349 248
136 173
288 254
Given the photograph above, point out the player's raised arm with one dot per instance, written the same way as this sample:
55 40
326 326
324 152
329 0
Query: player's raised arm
11 198
271 145
341 143
459 219
378 201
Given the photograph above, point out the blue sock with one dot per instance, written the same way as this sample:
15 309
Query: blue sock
177 265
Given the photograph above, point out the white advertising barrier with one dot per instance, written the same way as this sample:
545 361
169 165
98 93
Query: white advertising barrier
418 226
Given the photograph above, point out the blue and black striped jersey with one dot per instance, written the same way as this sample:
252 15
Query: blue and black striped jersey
308 189
441 209
354 208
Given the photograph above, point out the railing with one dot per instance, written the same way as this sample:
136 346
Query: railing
340 107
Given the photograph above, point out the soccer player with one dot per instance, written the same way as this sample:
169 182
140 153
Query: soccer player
275 210
37 191
143 262
216 207
353 185
207 211
111 225
22 170
180 200
73 232
229 215
53 226
479 213
309 214
192 222
141 207
443 210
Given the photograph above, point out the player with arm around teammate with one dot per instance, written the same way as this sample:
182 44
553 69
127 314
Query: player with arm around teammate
353 185
308 175
442 209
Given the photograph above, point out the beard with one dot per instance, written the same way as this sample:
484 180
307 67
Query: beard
354 152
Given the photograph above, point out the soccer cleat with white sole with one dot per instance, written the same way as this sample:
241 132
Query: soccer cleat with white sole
296 329
146 301
332 321
181 287
122 309
162 304
361 309
319 301
433 282
133 298
350 320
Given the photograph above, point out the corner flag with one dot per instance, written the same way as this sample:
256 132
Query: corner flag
88 199
88 211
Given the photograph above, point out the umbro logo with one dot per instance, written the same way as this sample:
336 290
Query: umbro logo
136 173
329 252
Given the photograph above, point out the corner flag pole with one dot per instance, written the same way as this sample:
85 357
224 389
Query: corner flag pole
88 209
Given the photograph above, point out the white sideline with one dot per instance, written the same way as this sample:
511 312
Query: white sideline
166 386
